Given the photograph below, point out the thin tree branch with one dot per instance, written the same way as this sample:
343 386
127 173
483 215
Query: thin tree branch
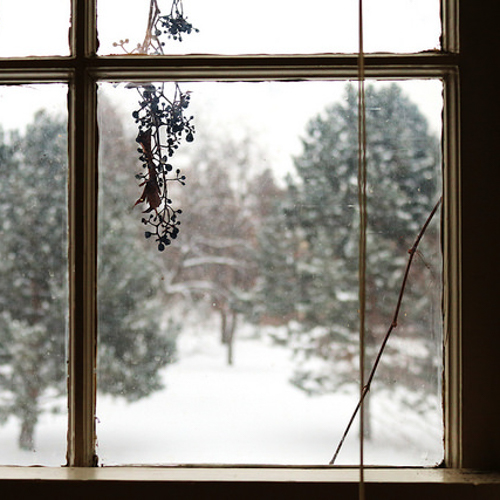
394 323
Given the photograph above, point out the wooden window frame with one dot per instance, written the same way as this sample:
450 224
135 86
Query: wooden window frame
472 274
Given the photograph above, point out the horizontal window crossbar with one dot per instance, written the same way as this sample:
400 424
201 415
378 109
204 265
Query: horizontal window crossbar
251 67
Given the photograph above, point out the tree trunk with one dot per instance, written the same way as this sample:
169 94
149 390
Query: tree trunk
368 427
230 325
27 434
230 359
223 325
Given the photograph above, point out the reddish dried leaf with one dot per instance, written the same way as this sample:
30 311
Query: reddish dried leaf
150 195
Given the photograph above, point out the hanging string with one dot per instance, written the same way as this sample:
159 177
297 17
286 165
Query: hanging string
362 243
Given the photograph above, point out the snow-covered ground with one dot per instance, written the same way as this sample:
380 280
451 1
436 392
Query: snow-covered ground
247 413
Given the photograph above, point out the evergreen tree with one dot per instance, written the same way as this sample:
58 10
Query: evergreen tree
134 344
278 290
33 271
313 236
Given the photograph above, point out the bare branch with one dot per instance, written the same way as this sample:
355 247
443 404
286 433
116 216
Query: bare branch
187 287
394 323
214 259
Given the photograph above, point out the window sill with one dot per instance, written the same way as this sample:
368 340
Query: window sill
306 474
245 482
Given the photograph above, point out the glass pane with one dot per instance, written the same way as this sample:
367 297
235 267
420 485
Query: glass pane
34 28
266 26
33 275
228 27
402 25
232 337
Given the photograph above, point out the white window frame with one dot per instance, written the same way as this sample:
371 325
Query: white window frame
472 276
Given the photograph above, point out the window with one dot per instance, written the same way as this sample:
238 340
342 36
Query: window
248 267
470 271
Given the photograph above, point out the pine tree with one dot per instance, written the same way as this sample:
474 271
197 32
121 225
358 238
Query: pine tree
33 271
278 289
134 343
317 224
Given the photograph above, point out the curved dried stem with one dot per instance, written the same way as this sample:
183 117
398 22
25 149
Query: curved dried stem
394 323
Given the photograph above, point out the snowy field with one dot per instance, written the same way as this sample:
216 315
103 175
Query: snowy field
247 413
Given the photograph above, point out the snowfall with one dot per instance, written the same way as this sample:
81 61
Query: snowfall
247 413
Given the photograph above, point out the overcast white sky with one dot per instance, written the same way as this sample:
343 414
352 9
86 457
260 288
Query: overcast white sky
35 27
273 114
283 26
228 26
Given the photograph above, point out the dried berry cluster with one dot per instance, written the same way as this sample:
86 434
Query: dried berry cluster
162 127
174 24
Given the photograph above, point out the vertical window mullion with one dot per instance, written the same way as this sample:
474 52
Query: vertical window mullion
82 239
449 26
452 274
452 398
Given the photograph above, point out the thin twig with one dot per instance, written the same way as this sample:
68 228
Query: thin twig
394 323
154 12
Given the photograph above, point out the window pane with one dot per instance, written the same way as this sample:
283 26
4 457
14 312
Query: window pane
270 26
33 275
232 337
34 28
402 25
228 27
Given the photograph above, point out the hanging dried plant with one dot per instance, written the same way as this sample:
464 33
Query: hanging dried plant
162 124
